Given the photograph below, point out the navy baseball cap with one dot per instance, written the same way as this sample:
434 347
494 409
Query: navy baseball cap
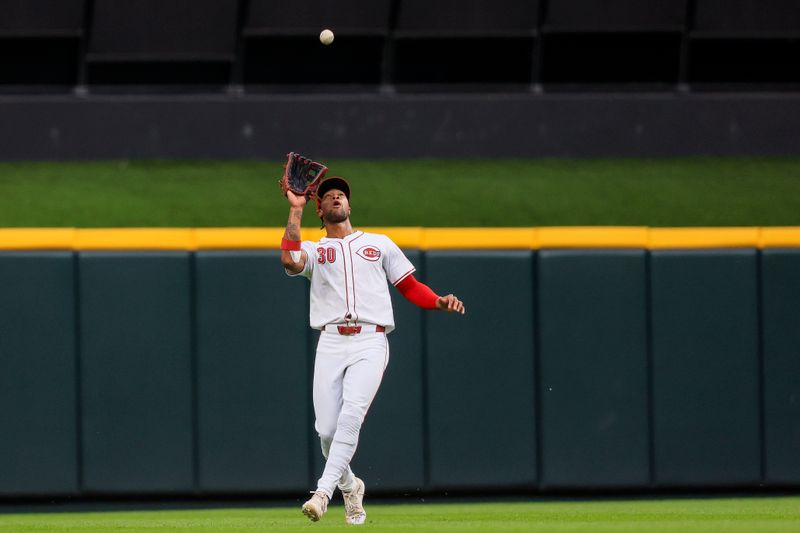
334 182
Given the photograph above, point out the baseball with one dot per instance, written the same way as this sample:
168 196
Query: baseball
326 37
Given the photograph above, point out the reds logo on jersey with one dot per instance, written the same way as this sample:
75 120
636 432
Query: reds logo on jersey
369 252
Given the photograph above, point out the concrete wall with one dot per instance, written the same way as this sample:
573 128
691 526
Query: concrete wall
399 126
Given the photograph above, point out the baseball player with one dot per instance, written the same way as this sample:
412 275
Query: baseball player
350 305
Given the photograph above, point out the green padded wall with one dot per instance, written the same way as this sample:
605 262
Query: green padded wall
38 388
390 453
593 369
780 276
186 384
252 373
705 368
135 325
481 424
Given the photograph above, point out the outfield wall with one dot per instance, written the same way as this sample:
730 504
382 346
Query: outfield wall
589 359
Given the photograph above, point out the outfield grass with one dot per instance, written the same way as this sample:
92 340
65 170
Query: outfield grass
734 515
665 192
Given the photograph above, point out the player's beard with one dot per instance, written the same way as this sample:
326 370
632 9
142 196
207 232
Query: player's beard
337 216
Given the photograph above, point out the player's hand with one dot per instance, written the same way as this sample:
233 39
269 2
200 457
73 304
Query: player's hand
296 200
451 304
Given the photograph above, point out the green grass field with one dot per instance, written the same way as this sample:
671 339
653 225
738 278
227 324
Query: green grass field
546 192
729 515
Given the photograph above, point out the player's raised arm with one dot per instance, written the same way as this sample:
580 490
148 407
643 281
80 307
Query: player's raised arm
292 257
301 177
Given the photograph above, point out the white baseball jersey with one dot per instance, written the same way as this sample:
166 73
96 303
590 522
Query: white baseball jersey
348 279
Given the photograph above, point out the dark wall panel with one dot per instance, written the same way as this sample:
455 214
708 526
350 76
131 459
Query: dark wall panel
462 61
314 15
252 374
705 368
390 452
758 63
38 387
136 372
631 15
39 62
32 17
354 60
157 28
468 15
481 425
781 336
749 16
593 369
611 58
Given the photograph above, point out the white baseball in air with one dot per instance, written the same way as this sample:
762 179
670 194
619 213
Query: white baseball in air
326 37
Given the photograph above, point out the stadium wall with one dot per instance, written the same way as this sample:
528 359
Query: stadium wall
398 126
598 359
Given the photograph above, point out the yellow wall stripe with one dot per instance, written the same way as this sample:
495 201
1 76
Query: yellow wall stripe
403 237
37 238
134 239
778 237
407 237
660 238
593 237
237 238
465 238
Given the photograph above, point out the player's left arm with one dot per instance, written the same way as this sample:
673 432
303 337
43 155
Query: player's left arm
423 296
400 272
451 304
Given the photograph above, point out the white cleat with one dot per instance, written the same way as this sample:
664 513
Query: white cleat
316 506
354 513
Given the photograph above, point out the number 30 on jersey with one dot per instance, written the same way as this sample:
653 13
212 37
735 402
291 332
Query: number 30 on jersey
326 255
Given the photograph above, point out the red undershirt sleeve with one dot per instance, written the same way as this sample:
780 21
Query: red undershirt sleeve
417 293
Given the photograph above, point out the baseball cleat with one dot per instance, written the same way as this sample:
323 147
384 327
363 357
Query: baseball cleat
316 506
354 513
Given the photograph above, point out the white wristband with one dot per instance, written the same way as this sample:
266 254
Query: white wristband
296 255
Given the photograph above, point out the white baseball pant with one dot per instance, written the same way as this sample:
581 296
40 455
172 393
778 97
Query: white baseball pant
347 373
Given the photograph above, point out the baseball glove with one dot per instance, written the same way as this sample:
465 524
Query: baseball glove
301 175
